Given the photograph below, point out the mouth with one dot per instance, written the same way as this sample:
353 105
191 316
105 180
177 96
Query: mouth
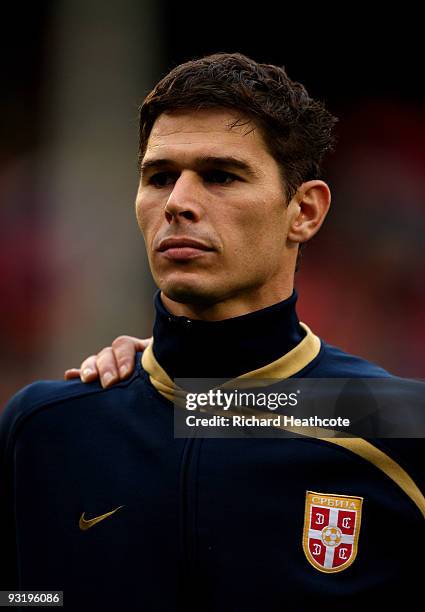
183 248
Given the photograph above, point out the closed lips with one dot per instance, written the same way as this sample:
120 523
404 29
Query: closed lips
181 243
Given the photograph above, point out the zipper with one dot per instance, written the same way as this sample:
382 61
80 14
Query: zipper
188 518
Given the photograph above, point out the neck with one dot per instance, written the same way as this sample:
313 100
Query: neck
195 347
226 308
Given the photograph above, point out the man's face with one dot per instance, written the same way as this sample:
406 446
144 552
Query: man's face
212 210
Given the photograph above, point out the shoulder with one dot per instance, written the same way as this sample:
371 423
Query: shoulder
333 362
39 396
52 401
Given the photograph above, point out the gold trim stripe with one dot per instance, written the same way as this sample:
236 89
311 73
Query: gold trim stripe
284 367
383 462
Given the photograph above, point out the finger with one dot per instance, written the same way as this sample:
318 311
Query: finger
107 367
125 348
88 369
72 373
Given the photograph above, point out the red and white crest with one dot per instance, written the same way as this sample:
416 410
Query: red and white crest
331 530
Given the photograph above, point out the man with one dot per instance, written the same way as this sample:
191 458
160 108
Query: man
102 502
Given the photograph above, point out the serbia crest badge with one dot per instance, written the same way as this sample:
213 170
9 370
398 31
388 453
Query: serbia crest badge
331 530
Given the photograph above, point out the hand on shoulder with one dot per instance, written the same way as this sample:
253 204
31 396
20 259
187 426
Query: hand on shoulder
112 364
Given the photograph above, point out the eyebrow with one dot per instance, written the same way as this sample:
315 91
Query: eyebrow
201 163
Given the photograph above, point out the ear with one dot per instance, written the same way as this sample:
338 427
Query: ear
307 210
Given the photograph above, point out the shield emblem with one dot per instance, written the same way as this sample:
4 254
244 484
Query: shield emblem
331 530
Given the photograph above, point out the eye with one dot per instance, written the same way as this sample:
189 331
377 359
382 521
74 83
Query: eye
219 176
162 179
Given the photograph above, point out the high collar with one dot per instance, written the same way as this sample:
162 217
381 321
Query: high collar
188 348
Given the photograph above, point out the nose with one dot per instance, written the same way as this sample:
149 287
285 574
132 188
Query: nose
184 200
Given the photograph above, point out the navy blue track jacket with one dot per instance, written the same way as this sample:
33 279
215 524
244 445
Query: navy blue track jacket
99 500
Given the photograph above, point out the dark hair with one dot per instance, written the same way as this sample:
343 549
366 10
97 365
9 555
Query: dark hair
296 129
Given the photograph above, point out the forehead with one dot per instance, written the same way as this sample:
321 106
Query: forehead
206 132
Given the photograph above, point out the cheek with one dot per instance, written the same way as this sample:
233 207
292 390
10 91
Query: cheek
242 236
261 224
148 216
261 237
